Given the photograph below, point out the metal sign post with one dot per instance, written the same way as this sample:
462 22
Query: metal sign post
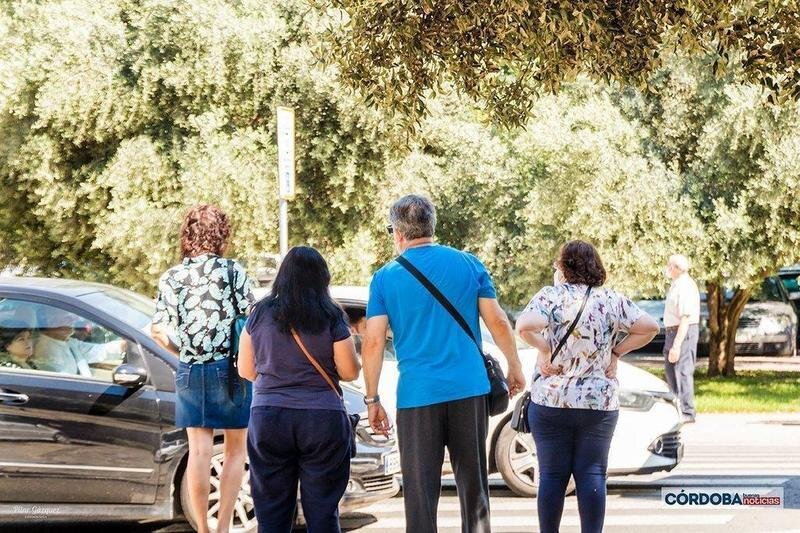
285 171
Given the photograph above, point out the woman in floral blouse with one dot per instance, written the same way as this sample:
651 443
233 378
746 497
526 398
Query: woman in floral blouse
198 301
574 399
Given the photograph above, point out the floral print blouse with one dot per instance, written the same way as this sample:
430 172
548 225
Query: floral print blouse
195 301
587 353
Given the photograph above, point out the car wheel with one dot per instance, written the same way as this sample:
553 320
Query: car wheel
244 515
515 456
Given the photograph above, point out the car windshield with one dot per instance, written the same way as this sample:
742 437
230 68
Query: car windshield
654 308
767 292
791 284
128 306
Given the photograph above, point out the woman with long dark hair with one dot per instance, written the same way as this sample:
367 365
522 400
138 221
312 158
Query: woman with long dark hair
574 398
198 301
296 347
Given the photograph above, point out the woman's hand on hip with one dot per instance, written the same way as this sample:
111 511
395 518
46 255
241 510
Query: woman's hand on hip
611 370
546 368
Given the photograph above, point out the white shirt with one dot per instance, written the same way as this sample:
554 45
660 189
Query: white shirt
70 356
683 299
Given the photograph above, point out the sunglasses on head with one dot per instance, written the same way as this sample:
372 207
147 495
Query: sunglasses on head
390 229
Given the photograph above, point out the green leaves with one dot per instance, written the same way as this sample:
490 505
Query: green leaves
116 118
395 52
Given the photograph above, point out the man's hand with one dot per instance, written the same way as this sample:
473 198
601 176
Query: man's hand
516 380
611 371
674 354
379 420
546 368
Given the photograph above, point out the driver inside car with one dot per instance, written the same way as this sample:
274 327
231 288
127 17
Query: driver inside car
58 351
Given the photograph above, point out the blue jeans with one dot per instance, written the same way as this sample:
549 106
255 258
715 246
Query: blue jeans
572 442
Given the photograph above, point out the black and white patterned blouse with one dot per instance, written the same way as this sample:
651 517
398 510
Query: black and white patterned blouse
196 302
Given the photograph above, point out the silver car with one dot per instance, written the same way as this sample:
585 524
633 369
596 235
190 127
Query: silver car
767 326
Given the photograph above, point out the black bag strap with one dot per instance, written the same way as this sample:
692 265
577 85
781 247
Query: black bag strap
233 358
571 328
441 298
232 285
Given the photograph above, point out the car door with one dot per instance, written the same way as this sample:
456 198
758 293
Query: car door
72 438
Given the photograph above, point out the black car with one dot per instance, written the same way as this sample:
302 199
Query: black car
103 445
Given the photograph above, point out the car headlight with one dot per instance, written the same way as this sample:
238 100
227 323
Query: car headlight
774 325
636 400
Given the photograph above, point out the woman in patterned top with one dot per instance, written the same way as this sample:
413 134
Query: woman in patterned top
574 401
16 345
198 301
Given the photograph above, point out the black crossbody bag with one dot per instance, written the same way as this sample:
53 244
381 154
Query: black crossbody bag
519 419
235 383
498 391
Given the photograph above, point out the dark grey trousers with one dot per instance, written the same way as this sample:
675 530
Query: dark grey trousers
680 375
423 433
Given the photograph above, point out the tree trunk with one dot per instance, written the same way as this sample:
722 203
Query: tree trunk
717 329
735 308
723 320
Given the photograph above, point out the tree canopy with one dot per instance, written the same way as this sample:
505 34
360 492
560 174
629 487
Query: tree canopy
505 53
117 116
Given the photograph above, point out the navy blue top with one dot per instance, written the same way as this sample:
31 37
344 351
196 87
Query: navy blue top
437 360
286 378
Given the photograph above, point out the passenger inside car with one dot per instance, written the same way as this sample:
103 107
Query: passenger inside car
357 319
16 345
57 351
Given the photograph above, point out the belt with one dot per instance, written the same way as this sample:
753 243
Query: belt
675 328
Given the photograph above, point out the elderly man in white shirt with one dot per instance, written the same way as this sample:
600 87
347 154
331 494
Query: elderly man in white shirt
57 351
681 320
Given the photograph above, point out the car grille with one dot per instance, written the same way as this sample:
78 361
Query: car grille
755 347
749 322
377 483
748 347
667 444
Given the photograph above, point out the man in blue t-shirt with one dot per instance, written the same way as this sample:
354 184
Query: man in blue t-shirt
441 394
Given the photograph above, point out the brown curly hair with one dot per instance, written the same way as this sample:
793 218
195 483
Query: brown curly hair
205 230
581 264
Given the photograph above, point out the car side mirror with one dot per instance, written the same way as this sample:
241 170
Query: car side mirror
129 376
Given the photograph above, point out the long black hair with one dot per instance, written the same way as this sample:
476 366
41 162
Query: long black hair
300 296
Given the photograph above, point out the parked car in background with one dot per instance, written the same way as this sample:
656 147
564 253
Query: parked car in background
767 326
647 438
104 447
790 282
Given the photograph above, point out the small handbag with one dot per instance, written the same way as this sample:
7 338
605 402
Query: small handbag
237 326
519 418
354 418
498 385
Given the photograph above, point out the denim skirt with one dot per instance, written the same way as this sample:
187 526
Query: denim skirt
202 398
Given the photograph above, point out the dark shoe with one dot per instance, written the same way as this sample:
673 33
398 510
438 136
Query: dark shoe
686 419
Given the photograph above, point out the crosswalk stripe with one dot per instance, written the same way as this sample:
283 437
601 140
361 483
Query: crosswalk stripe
706 481
518 505
662 519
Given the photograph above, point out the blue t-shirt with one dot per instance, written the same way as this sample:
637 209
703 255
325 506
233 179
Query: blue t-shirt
286 378
437 361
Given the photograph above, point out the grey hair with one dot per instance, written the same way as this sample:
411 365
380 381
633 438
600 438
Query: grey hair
679 261
413 216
